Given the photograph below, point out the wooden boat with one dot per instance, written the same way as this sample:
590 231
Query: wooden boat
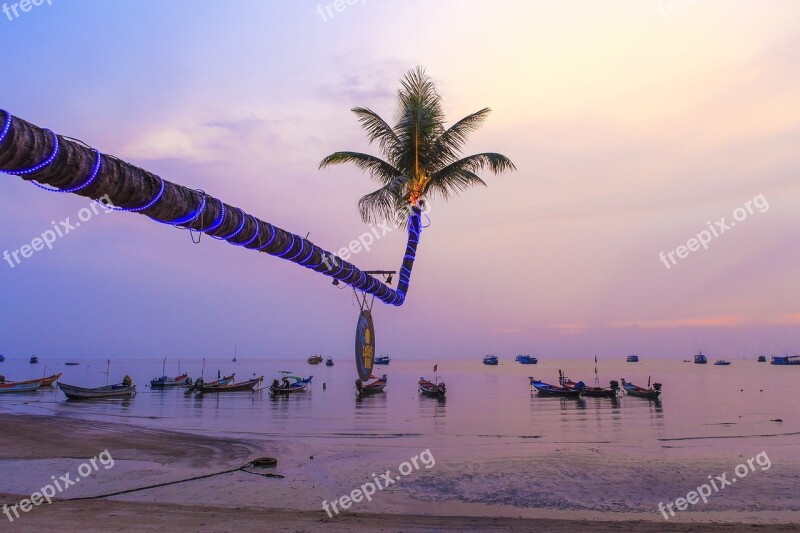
721 362
434 388
165 381
526 360
593 392
12 386
329 361
700 359
650 392
371 387
762 359
244 386
383 360
632 359
44 382
490 360
786 360
34 360
286 386
545 389
120 390
315 360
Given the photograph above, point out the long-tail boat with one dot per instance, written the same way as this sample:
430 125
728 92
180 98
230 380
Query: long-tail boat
286 386
545 389
44 382
371 387
18 387
434 388
786 360
651 393
165 381
244 386
120 390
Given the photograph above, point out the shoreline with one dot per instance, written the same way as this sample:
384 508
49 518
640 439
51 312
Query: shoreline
143 456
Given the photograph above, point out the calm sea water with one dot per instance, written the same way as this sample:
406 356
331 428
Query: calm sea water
482 401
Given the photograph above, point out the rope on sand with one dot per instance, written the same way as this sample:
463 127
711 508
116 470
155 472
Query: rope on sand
261 462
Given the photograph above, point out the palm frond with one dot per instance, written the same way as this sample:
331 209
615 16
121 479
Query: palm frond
377 168
381 205
462 174
378 131
450 143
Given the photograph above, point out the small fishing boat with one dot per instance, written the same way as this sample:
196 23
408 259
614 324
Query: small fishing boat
315 360
221 381
244 386
721 362
286 386
435 388
44 382
329 361
545 389
165 381
762 359
526 360
71 363
650 392
371 387
2 358
632 359
593 392
700 359
120 390
34 360
382 360
12 386
785 360
490 360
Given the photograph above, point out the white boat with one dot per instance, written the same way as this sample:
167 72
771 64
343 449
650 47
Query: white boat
109 391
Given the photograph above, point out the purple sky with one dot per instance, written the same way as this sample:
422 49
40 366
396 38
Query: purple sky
633 125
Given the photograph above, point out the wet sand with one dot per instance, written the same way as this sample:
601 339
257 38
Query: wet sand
36 447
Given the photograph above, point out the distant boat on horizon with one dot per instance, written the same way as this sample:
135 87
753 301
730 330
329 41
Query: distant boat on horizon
632 359
526 360
71 363
785 360
329 361
2 358
721 362
315 359
383 360
762 359
34 360
700 359
234 353
490 360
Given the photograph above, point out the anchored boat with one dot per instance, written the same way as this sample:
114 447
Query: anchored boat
786 360
700 359
43 382
18 387
120 390
329 361
721 362
490 360
632 359
383 360
545 389
526 360
165 381
371 387
651 393
435 388
287 386
315 360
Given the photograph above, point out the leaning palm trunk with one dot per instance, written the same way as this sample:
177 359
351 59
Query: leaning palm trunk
51 160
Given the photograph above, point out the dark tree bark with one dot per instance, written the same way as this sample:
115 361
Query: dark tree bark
36 154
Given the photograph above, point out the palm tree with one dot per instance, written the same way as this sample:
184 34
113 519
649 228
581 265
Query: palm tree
422 159
61 164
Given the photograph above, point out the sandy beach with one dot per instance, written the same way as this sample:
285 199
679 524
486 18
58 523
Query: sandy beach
144 456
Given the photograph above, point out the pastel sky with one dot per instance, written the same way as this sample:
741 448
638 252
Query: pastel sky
633 124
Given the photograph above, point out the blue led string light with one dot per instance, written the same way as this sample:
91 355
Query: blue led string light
6 126
255 221
86 183
289 249
217 223
148 205
191 217
271 239
235 233
302 247
39 166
